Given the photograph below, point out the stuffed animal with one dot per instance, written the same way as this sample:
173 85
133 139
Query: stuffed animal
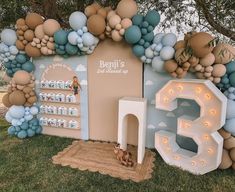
124 157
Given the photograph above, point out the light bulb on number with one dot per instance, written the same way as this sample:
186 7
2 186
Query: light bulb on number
193 163
165 140
198 90
166 100
180 87
207 124
171 91
213 112
210 151
207 96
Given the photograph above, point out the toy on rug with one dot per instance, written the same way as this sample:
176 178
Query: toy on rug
124 157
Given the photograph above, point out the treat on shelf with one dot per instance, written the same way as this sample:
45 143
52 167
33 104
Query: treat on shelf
60 97
61 123
71 98
62 111
44 84
52 122
67 84
43 121
52 84
73 111
73 124
60 84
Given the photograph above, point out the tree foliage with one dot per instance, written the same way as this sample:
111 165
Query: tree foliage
216 16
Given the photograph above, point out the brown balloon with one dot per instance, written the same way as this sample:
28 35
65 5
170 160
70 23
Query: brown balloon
96 24
17 98
226 161
20 45
200 44
90 10
22 77
29 35
170 66
126 8
33 20
50 26
224 53
20 22
32 51
5 100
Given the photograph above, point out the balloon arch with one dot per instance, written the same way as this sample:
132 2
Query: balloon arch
199 53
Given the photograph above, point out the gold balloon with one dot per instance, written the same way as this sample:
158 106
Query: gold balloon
96 24
17 98
126 8
32 51
29 35
22 77
5 100
50 26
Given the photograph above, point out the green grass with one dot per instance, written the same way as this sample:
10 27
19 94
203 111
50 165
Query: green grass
25 165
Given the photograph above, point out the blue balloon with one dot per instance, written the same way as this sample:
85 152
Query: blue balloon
30 133
61 37
230 67
169 39
132 34
21 58
138 50
8 36
24 125
152 17
77 20
137 19
39 130
22 134
11 130
229 126
28 66
232 79
71 49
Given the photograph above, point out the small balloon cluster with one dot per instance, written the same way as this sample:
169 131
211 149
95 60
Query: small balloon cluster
21 62
140 34
21 90
201 54
62 46
24 124
160 51
35 36
8 50
104 22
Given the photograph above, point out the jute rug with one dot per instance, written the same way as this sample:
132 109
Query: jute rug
99 157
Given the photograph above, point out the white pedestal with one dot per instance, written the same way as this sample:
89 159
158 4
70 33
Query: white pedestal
137 107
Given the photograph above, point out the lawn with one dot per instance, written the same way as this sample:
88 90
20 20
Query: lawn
25 165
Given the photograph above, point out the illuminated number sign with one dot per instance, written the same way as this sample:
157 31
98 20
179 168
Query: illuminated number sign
203 130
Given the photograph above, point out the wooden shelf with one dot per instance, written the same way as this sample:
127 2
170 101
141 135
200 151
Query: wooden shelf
66 116
61 127
59 102
56 89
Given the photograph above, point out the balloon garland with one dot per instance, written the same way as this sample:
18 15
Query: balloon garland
199 53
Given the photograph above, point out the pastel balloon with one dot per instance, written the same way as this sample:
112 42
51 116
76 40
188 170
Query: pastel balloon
126 8
8 36
32 51
138 50
169 39
96 24
219 70
116 36
149 37
208 60
114 20
77 20
88 39
72 38
133 34
50 26
229 126
167 53
17 98
22 77
22 134
16 112
21 58
230 67
29 35
39 32
28 66
125 23
230 113
232 79
152 17
8 117
71 49
149 53
170 66
5 100
33 20
158 64
13 50
60 37
90 10
158 38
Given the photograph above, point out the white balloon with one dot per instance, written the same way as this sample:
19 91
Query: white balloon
230 113
158 64
158 47
28 117
169 39
72 38
34 110
88 39
16 112
77 20
158 38
149 53
8 36
8 117
13 50
167 53
229 126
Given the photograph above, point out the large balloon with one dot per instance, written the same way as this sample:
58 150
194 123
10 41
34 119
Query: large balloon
61 37
77 20
50 26
230 126
96 24
158 64
169 39
17 98
133 34
126 8
167 53
138 50
230 109
16 111
88 39
5 100
39 32
152 17
32 51
33 20
8 36
22 77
